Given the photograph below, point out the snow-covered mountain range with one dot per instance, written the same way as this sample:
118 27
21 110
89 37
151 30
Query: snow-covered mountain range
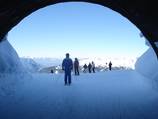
36 64
47 62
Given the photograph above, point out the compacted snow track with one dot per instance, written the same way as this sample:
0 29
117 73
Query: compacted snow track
106 95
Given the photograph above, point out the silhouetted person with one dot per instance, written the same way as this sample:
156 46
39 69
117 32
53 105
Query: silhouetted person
67 66
85 68
89 67
52 71
110 65
76 66
93 67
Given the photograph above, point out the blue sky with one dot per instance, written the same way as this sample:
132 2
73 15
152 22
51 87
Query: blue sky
82 29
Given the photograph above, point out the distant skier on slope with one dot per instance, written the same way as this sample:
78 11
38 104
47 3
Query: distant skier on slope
110 65
93 67
52 71
85 68
89 67
67 66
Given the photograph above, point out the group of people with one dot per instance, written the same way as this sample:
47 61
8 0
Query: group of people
90 66
68 64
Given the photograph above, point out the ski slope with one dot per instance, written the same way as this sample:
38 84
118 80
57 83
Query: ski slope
106 95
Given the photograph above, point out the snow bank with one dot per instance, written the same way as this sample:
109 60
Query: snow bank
147 64
105 95
10 82
30 65
9 60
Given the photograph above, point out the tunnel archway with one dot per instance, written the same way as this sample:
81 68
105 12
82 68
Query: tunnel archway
138 12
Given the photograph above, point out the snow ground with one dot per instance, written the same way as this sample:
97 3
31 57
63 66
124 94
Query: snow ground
106 95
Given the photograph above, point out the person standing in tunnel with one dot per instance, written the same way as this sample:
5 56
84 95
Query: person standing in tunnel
76 66
67 66
110 65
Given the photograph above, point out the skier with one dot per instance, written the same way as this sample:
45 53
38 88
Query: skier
110 65
89 67
76 66
67 66
93 67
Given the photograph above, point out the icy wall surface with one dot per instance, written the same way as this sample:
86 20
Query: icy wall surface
9 59
147 64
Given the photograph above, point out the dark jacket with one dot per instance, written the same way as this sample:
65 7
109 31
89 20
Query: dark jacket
76 63
67 65
89 66
85 66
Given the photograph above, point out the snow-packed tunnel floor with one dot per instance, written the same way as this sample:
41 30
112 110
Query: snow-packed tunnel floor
107 95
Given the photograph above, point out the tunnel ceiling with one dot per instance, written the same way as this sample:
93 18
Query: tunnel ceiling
142 13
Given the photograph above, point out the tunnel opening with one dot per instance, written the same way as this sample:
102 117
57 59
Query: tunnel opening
105 94
79 32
